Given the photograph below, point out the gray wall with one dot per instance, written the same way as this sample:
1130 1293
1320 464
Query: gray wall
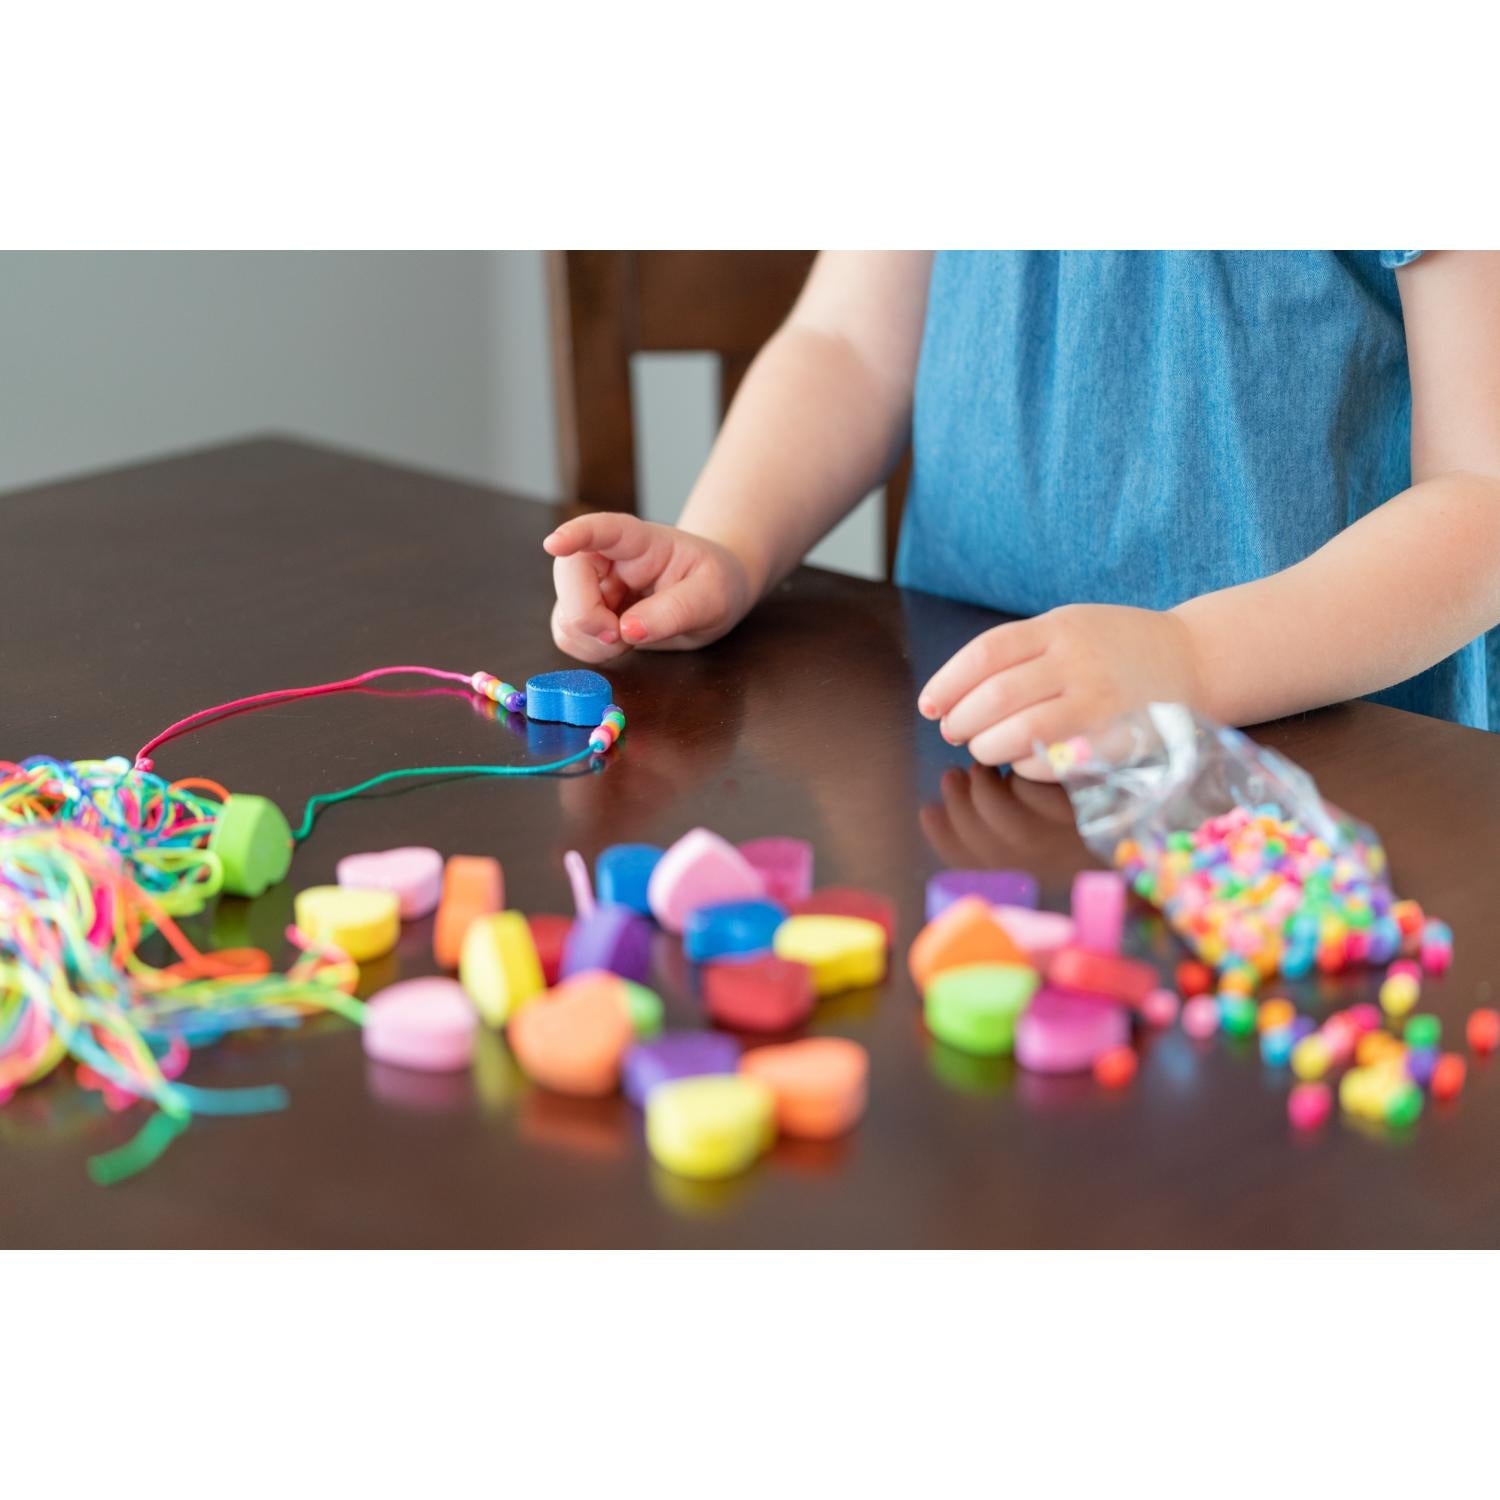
438 360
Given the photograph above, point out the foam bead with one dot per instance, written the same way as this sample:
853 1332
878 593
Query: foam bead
850 901
842 953
1099 910
759 994
729 928
473 886
622 874
1120 979
549 931
1063 1033
700 869
414 874
424 1024
785 866
576 696
614 938
574 1038
1039 933
710 1127
674 1055
997 887
966 933
254 844
820 1084
362 924
974 1008
499 965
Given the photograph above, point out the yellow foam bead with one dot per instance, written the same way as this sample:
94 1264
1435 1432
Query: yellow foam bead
364 924
714 1126
499 967
844 953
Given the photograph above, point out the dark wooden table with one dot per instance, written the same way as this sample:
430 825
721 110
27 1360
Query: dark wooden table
133 597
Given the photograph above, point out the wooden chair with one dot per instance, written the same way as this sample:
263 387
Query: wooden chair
608 305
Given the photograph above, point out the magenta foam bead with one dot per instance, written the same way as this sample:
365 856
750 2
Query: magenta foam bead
1061 1032
785 866
1099 910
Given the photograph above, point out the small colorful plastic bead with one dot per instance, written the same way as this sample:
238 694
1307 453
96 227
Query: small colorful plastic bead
1483 1030
1309 1105
1200 1017
1115 1068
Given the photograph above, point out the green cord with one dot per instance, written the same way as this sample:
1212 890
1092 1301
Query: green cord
323 799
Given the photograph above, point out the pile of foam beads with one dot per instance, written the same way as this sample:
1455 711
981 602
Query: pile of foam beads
999 977
571 993
97 859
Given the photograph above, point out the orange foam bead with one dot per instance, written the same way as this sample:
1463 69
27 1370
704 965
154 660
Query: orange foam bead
820 1084
966 933
473 886
573 1039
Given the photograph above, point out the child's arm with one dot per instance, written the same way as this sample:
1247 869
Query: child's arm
819 420
1402 588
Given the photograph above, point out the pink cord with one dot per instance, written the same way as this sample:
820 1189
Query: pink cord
283 695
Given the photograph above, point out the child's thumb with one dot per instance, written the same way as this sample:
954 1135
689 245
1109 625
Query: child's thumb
679 610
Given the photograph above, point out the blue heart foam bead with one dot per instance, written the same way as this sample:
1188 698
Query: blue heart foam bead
575 697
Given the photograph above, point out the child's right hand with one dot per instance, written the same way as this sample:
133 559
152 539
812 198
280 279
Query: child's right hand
624 582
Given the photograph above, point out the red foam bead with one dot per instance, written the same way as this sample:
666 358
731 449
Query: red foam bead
758 994
550 934
1121 979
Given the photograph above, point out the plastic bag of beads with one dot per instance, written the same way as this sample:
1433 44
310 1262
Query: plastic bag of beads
1235 845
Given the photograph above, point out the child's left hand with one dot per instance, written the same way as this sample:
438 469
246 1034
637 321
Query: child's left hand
1057 675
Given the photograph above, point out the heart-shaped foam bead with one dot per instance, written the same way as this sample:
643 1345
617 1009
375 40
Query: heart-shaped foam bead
1039 933
677 1054
1063 1033
499 966
622 874
998 887
850 901
759 994
414 873
966 933
843 953
710 1127
614 938
575 1036
700 869
473 886
253 842
576 696
820 1084
363 924
427 1024
785 865
974 1008
730 927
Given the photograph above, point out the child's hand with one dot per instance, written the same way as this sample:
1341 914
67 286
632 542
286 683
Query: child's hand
624 582
1057 675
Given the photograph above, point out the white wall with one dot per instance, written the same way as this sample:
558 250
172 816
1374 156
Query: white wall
439 360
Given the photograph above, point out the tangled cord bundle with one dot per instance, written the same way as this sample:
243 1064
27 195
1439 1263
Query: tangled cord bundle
97 859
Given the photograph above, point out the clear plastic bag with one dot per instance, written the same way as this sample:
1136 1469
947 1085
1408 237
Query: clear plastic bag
1233 842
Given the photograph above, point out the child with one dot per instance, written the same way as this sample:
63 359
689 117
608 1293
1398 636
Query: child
1252 482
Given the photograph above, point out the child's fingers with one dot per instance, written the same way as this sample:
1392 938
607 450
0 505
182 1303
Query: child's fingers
692 604
619 537
994 651
583 625
998 697
1015 739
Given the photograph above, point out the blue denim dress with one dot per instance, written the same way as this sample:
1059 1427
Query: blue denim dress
1140 427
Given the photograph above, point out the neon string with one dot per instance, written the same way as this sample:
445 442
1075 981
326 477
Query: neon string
316 804
281 695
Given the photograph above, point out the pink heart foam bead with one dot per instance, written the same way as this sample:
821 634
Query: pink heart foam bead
700 869
1061 1032
414 874
785 865
1039 934
427 1024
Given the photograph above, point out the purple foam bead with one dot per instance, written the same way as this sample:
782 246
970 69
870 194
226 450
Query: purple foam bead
610 937
677 1054
998 887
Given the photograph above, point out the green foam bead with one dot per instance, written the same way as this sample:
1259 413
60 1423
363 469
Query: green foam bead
973 1008
253 842
645 1009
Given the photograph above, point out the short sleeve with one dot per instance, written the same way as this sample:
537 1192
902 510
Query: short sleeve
1393 260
